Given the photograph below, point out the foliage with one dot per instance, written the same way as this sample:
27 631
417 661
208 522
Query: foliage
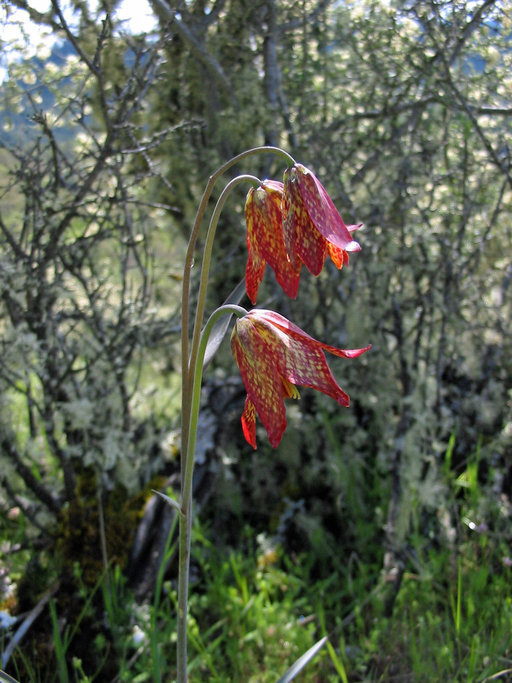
76 278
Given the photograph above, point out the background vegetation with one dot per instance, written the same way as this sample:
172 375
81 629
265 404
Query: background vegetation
386 526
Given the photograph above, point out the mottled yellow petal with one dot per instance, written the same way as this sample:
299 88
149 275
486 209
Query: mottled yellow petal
249 422
312 226
261 380
300 360
265 243
255 267
303 242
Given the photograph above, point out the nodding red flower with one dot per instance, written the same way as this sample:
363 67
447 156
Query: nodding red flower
312 226
274 357
265 241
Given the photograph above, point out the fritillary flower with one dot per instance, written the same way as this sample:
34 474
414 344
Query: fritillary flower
274 357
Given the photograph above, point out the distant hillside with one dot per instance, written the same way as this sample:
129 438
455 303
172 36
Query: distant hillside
17 125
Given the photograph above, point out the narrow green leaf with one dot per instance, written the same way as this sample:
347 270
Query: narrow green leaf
302 661
173 503
221 326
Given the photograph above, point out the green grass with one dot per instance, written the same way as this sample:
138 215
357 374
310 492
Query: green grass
452 621
253 619
254 611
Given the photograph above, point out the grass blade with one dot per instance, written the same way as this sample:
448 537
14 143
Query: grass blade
338 664
5 678
302 661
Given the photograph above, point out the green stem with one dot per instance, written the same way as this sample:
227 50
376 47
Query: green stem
186 503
